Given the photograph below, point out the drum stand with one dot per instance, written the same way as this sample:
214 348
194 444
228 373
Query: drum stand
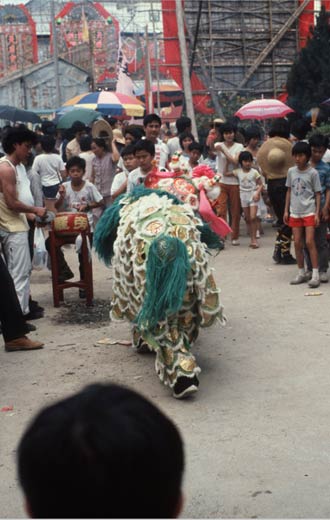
87 282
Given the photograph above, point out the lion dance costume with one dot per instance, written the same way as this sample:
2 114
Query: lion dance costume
162 282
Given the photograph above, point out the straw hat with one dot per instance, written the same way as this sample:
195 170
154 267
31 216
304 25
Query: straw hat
101 128
118 136
275 158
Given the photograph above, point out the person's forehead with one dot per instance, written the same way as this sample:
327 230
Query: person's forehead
129 156
76 169
153 123
319 149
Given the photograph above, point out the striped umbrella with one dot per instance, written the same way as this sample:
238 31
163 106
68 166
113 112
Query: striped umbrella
108 103
263 109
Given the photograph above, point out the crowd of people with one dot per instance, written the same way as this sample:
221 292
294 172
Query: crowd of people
281 177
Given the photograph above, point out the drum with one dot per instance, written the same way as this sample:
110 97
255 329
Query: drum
69 224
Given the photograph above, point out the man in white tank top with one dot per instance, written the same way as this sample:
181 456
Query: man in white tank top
17 145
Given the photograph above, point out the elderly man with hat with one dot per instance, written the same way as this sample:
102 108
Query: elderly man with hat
274 159
73 147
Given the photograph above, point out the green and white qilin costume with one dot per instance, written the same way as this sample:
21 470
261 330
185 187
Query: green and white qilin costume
162 282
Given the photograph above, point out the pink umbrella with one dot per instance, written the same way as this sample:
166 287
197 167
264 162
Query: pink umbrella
263 109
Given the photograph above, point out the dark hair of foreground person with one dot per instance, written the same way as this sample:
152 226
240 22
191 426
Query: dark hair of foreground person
105 452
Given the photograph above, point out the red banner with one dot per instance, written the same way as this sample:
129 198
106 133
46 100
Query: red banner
172 67
18 42
307 20
91 24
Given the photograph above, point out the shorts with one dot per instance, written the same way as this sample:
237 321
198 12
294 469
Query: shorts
308 221
246 199
50 192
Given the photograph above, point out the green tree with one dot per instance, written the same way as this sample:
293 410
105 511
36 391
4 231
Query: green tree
308 81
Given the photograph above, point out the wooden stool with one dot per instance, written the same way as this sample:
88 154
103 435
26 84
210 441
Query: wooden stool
57 240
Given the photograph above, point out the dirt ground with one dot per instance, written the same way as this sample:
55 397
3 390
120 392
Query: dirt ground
256 434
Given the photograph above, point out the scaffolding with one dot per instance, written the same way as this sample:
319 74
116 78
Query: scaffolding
248 47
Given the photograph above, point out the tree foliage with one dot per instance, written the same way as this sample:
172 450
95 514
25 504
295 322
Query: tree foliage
308 82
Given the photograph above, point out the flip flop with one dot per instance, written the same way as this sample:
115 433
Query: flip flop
254 246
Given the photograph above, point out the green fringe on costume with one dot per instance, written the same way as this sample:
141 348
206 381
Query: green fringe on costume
211 239
166 281
105 232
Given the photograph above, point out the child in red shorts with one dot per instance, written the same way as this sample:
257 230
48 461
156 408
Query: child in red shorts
303 200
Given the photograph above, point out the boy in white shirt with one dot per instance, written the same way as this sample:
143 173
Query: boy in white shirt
302 211
78 195
119 184
145 155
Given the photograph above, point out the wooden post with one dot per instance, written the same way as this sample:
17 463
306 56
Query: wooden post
156 58
185 68
55 56
148 77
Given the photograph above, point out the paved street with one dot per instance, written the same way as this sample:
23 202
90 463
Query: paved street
257 433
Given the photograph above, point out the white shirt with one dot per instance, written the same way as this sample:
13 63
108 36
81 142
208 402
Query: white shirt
87 194
135 177
49 167
326 156
88 157
161 154
247 180
173 145
118 181
224 165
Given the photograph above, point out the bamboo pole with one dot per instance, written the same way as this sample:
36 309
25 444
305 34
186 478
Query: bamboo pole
185 68
55 56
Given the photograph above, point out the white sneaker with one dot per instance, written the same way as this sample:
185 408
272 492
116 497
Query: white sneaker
300 278
314 283
235 242
324 277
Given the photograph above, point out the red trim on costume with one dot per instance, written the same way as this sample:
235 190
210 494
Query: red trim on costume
155 175
217 224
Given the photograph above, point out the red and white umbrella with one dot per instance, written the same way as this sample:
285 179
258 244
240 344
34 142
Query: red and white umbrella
263 109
